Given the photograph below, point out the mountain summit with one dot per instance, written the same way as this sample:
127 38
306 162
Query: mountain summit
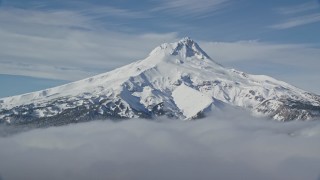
185 48
177 80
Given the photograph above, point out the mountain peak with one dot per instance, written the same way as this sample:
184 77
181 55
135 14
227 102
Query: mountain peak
186 48
177 80
187 41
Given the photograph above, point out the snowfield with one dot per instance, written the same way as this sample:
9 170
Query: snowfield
190 101
176 80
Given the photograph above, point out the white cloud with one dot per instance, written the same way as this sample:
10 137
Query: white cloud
294 63
230 146
300 8
196 8
62 18
67 45
298 21
298 15
85 8
103 11
260 51
62 45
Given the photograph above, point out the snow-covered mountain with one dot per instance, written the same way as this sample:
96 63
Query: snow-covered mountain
176 80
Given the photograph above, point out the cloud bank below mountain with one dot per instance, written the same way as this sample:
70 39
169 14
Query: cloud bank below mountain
228 146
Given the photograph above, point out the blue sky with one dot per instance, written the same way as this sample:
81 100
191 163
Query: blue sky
49 42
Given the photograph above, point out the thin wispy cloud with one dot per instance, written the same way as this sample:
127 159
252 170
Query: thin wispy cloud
260 51
66 45
103 11
72 48
298 15
61 18
298 21
195 8
70 44
97 11
84 8
300 8
293 63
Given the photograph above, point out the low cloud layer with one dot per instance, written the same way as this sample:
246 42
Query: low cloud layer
229 146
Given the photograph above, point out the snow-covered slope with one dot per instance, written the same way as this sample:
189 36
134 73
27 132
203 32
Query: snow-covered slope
176 79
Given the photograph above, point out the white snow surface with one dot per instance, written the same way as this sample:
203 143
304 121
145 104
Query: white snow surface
190 101
179 73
